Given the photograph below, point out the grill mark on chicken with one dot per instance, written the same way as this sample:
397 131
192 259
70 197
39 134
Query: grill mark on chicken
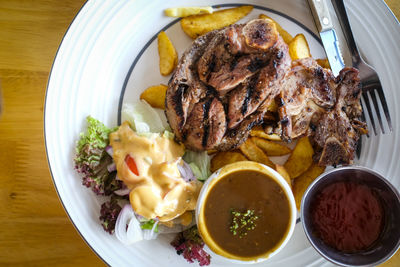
177 99
211 67
234 62
249 94
255 65
206 110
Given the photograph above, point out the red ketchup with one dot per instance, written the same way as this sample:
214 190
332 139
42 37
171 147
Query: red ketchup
347 216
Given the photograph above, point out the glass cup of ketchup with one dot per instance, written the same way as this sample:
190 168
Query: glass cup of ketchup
351 216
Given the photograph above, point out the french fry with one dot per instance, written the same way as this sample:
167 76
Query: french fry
197 25
271 148
177 12
254 153
301 183
155 96
285 35
282 171
167 54
300 159
298 47
259 132
224 158
323 62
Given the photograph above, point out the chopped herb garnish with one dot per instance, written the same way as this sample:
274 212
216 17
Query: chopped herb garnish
242 222
149 225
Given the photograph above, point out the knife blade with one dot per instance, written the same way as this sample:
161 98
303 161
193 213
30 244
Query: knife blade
323 21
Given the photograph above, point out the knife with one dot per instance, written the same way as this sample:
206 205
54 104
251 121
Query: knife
328 35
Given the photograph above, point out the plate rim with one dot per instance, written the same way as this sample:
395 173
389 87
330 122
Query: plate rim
45 137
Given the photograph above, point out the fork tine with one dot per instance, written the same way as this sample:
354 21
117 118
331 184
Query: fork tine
366 100
378 113
385 107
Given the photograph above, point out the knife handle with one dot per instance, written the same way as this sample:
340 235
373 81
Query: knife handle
321 14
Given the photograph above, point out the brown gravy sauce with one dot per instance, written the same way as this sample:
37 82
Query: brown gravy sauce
247 190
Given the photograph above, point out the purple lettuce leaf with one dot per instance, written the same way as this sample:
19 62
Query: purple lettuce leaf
190 245
91 159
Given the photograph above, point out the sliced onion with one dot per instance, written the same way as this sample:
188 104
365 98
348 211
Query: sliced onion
109 150
140 218
186 172
111 167
122 192
150 234
127 227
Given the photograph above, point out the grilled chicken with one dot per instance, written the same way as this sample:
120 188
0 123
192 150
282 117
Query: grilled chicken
184 88
314 103
306 93
224 83
226 80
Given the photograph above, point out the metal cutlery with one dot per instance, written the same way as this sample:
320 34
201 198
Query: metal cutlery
371 85
327 33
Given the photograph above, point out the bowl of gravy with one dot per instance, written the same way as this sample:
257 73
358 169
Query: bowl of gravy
246 212
351 216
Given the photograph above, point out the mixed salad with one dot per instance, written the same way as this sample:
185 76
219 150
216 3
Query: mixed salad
94 161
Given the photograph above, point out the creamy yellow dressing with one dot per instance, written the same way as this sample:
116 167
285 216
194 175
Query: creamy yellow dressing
158 191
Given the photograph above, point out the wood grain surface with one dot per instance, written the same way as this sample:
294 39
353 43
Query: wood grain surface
34 228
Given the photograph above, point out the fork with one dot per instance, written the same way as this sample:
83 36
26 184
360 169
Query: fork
370 82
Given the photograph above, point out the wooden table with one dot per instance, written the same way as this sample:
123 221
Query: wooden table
34 228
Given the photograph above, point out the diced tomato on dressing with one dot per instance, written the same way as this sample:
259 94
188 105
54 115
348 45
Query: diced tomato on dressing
131 165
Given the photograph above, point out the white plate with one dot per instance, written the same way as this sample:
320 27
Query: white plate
109 56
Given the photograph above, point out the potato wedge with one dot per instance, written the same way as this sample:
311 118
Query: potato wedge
197 25
323 62
224 158
301 183
282 171
167 54
285 35
177 12
271 148
155 95
259 132
254 153
298 47
300 159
